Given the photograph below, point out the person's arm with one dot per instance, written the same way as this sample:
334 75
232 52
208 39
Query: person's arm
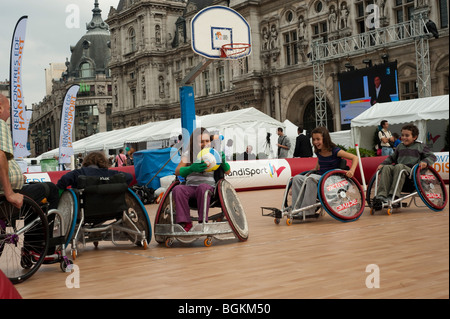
428 157
343 154
225 165
183 169
15 199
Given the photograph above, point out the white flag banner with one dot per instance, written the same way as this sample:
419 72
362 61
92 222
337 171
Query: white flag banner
67 122
19 129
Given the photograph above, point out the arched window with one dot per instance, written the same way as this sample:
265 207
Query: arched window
132 40
86 70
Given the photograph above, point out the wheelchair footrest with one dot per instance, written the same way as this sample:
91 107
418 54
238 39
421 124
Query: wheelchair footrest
274 212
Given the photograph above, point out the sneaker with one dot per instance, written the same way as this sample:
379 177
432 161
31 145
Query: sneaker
187 227
382 198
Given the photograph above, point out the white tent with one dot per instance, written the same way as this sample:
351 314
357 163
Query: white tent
418 111
244 127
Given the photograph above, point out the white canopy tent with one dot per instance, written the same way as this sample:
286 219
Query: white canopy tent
418 111
245 127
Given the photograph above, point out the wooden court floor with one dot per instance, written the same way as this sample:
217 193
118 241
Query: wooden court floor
408 252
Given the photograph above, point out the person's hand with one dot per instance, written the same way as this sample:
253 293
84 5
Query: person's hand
16 199
350 173
379 167
423 165
198 167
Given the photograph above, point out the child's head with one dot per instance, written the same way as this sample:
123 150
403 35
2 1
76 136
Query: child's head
199 139
321 139
410 132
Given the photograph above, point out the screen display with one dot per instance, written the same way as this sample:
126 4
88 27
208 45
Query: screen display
360 89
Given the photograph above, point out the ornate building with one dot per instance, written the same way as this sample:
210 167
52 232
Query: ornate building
150 54
88 67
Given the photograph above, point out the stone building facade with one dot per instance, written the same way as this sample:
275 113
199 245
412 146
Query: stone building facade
149 54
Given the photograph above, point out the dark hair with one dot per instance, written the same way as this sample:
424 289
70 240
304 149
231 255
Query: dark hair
383 122
96 158
411 127
327 143
194 148
280 129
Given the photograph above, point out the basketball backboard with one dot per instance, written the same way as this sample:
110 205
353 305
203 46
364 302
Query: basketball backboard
216 26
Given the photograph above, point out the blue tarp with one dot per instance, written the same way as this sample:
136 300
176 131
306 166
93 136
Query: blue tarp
148 162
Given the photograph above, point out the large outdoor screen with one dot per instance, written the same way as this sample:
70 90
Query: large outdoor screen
358 89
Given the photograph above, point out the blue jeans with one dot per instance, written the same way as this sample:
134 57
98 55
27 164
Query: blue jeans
386 150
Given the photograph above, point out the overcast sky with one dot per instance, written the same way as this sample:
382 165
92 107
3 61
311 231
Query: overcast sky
50 33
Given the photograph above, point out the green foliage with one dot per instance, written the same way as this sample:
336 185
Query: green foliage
362 151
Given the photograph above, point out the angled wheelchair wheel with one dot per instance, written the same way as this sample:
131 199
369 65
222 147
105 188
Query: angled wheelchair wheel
233 210
430 187
24 239
342 197
138 216
164 211
68 209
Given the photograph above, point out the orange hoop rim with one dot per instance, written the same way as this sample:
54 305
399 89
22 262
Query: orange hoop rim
234 50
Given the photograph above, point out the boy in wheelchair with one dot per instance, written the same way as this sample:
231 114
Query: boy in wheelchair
198 180
329 157
407 154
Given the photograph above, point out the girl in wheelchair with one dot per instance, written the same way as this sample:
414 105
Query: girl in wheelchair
407 154
329 157
198 180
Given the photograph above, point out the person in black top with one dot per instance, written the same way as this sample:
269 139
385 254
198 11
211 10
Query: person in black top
302 145
94 164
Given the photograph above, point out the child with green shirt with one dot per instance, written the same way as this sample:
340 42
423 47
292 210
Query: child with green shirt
407 154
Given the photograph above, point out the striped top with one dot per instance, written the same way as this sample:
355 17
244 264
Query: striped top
195 179
411 155
327 163
14 172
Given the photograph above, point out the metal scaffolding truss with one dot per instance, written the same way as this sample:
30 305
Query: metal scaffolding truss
414 30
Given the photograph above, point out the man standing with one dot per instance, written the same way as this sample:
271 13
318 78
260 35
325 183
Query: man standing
302 145
385 137
284 144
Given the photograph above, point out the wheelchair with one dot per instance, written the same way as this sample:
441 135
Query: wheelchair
26 238
425 184
340 196
103 209
228 221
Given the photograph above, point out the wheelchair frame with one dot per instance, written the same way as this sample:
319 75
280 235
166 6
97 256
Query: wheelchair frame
106 232
167 233
399 202
322 202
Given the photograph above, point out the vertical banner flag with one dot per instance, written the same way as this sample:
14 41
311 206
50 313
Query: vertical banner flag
19 129
67 121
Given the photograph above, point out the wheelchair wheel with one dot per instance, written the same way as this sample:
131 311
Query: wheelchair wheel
342 197
430 187
68 209
163 213
233 210
138 215
24 238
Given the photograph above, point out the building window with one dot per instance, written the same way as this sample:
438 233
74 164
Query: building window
86 71
132 40
403 10
290 47
443 13
207 83
409 90
221 78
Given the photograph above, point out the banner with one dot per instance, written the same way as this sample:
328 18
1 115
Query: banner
19 130
67 122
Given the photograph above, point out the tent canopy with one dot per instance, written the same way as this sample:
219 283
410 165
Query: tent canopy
244 127
417 111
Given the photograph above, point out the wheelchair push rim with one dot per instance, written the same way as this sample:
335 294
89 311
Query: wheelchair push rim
24 239
430 187
342 197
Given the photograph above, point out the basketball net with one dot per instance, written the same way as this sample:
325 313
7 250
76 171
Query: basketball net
235 53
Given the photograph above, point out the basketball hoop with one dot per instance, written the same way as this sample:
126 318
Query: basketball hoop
235 53
235 50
